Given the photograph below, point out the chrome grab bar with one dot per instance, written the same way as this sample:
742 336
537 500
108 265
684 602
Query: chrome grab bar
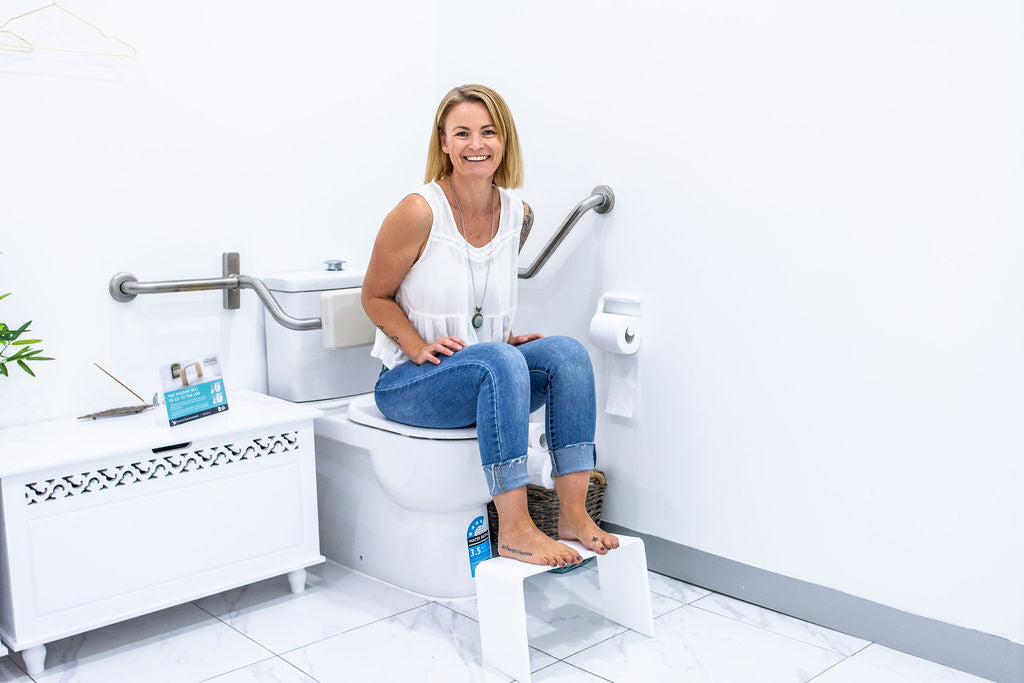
125 286
601 200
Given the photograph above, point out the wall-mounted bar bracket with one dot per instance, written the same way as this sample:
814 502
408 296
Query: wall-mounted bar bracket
229 268
114 287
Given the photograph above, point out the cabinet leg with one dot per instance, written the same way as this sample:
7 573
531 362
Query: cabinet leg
34 658
297 580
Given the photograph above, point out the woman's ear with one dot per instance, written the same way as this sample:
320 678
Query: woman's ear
444 142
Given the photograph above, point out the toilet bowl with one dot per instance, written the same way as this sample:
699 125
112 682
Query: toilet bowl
403 504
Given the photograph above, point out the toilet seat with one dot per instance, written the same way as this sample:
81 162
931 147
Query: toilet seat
363 409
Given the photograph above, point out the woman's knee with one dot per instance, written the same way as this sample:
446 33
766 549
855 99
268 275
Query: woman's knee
567 352
502 361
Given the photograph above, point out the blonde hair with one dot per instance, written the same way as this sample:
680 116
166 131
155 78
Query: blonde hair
439 165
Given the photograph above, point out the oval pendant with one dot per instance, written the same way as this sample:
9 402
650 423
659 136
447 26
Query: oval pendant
478 321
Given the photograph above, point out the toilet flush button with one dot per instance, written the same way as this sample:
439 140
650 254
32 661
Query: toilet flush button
335 264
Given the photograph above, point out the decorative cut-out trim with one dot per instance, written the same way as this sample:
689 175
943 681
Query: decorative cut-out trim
158 468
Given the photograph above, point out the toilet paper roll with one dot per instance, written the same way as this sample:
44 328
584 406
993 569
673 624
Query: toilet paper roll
538 460
537 439
615 333
538 468
620 336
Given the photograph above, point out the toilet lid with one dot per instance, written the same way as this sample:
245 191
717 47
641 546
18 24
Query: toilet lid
363 410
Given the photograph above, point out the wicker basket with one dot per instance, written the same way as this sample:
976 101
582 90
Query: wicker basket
543 506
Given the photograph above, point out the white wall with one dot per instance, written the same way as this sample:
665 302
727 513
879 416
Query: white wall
821 203
277 130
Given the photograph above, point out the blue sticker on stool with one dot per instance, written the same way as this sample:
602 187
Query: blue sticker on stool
478 538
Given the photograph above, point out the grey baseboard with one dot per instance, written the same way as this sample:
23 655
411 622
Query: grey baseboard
981 654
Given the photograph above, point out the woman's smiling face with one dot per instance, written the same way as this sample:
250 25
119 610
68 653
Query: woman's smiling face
471 140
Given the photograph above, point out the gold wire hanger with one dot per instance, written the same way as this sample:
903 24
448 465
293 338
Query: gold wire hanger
21 46
31 47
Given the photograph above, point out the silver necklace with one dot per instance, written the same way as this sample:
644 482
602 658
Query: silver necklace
478 318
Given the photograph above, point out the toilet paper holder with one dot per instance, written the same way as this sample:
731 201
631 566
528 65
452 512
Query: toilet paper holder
620 304
616 322
616 330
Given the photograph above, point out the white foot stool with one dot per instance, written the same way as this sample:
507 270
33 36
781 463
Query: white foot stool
625 596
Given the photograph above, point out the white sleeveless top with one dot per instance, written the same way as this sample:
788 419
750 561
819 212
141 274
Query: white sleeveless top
437 293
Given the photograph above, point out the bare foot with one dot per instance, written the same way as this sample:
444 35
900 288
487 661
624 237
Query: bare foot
529 544
575 525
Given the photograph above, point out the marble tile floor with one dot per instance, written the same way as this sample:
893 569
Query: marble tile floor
348 627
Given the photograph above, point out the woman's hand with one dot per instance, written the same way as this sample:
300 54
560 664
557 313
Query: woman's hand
428 353
517 339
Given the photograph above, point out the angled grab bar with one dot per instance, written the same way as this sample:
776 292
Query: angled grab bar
601 200
255 284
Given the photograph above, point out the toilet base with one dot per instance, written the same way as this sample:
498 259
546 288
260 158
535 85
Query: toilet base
362 528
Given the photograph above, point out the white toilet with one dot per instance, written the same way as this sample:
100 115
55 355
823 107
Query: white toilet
403 504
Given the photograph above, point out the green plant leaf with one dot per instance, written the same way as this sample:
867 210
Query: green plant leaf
11 336
27 353
20 354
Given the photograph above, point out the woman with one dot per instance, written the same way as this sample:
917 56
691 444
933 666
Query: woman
441 288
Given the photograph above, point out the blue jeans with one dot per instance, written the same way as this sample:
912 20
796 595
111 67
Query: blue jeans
497 386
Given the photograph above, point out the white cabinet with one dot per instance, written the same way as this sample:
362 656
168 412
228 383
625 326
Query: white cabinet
109 519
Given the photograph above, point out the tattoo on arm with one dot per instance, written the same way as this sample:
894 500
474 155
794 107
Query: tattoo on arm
394 339
516 551
527 225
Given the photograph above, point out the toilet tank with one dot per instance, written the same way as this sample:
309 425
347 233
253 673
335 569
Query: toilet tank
298 366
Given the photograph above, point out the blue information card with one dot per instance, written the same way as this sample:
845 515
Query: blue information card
193 389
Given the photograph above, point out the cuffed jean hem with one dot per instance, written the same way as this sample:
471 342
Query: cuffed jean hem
574 458
506 475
